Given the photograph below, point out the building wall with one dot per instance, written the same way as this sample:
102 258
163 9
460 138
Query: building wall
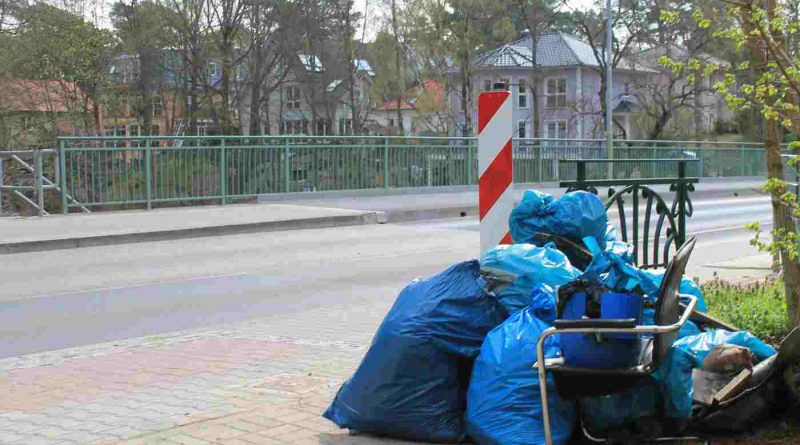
27 129
279 111
581 113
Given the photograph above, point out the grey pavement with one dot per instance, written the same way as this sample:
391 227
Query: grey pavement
281 212
119 227
411 204
242 338
268 326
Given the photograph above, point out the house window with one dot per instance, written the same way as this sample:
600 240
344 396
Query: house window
391 122
157 105
522 94
487 85
502 84
213 68
322 127
556 92
203 127
292 97
556 129
295 127
345 126
522 129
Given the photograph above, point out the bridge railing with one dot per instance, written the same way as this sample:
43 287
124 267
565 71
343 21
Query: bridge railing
176 170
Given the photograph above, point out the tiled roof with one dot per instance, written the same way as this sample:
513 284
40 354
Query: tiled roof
649 57
310 62
552 50
42 96
363 65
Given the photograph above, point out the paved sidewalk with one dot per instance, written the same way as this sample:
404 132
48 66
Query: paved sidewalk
118 227
279 212
410 204
260 382
744 270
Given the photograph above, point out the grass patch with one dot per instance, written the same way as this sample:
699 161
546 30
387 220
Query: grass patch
759 308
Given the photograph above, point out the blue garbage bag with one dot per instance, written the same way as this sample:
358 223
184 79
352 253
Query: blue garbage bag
651 280
613 269
413 380
613 410
520 267
575 215
674 375
504 402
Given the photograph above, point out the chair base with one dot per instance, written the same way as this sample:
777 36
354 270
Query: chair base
622 437
582 385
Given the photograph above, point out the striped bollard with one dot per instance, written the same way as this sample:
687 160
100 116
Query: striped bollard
495 168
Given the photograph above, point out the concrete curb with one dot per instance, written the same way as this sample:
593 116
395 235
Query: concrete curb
432 213
367 217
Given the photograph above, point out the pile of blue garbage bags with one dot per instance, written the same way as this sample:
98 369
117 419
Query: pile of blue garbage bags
453 359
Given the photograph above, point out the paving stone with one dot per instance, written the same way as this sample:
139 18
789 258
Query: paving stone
261 382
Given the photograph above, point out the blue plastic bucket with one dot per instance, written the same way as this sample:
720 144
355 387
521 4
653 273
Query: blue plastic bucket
611 350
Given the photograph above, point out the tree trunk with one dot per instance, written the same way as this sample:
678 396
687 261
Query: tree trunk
255 95
398 69
465 108
661 124
536 124
781 214
355 118
267 123
146 73
782 220
698 109
225 83
255 109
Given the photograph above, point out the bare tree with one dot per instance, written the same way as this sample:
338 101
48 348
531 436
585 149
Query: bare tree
628 20
268 30
227 16
538 16
191 26
398 65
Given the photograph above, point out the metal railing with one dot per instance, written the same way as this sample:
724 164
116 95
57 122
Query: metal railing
661 221
163 170
29 190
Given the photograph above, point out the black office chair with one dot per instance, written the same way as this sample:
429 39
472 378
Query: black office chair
670 316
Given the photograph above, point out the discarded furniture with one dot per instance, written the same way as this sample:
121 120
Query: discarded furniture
585 382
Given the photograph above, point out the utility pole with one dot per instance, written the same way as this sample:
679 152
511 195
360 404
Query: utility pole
609 113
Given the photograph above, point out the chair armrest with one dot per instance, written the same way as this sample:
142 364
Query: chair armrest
600 323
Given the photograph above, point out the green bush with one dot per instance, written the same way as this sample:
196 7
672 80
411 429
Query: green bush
759 308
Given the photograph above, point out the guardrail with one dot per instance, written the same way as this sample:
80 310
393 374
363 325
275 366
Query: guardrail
159 170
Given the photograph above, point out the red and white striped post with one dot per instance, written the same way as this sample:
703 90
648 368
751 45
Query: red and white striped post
495 168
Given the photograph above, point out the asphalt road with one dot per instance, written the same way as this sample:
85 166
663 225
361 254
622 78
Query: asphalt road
60 299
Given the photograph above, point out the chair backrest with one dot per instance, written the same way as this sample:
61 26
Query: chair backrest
668 308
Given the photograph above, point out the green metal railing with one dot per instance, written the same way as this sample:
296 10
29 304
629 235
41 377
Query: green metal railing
159 170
